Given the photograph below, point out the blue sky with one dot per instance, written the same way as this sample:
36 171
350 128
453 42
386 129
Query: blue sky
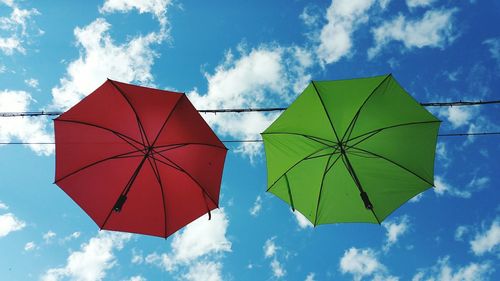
238 54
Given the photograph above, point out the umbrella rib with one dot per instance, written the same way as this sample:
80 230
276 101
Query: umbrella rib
177 145
179 168
126 190
139 123
118 156
289 192
363 194
374 132
321 186
393 162
99 127
314 138
293 166
326 111
166 120
353 121
156 171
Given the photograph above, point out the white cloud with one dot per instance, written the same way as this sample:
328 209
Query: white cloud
443 271
49 236
33 130
101 58
494 48
270 252
30 246
204 271
302 220
257 206
3 206
10 223
156 7
488 241
32 82
435 29
309 16
93 259
270 248
395 229
419 3
70 237
460 232
16 28
310 277
458 116
443 187
384 3
277 268
343 18
201 238
478 183
362 263
258 78
136 278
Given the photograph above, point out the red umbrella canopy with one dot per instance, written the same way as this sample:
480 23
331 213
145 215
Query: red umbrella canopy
138 159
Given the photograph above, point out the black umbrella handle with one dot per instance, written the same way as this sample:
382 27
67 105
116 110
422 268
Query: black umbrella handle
366 200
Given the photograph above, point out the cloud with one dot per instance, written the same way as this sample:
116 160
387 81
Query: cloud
363 263
10 223
33 130
204 271
93 259
494 48
258 78
30 246
202 238
32 82
3 206
302 220
310 277
458 116
136 278
419 3
435 29
270 252
101 58
310 15
460 232
49 236
443 187
395 229
257 206
488 241
16 27
445 272
343 18
158 8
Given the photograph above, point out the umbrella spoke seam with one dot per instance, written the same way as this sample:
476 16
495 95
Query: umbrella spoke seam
178 145
139 123
313 138
118 156
321 188
326 111
166 120
156 171
394 163
179 168
294 165
99 127
374 132
353 121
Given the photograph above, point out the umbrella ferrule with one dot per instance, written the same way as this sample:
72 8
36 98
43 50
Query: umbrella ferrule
119 203
366 200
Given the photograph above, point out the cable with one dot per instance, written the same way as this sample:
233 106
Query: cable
259 141
244 110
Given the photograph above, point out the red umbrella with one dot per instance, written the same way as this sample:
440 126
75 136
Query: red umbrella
138 159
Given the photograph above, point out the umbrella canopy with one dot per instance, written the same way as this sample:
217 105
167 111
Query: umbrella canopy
351 150
138 159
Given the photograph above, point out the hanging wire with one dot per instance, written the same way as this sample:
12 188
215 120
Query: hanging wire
260 140
243 110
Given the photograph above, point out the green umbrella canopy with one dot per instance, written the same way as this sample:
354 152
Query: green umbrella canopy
351 150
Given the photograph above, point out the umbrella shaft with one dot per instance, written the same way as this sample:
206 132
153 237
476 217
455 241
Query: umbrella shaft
362 193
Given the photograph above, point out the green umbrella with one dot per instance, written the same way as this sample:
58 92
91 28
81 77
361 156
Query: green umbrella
351 150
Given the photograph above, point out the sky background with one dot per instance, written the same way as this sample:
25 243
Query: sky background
239 54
